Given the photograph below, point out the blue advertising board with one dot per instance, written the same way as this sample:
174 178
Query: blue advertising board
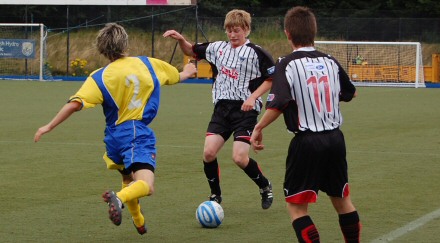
17 48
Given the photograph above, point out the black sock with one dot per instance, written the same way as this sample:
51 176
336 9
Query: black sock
305 230
254 172
350 227
212 173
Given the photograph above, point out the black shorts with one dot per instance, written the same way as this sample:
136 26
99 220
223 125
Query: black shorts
228 118
135 167
316 161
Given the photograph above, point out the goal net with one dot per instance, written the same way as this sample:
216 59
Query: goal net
23 53
378 63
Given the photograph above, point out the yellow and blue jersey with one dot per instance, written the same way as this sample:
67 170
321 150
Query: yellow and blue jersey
129 91
125 87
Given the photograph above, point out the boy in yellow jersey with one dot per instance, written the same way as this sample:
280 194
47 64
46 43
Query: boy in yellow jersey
128 88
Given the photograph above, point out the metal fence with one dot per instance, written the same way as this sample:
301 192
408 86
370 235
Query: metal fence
425 30
153 21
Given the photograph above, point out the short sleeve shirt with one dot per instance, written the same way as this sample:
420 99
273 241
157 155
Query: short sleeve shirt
240 71
307 86
129 84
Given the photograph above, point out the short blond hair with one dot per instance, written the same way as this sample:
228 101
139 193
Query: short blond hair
112 41
238 18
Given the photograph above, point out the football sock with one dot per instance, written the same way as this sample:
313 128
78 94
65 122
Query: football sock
305 230
254 172
134 191
135 210
212 172
350 226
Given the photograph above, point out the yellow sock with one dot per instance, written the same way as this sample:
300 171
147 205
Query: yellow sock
135 190
135 210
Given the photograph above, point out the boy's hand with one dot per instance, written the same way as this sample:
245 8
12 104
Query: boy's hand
42 130
173 34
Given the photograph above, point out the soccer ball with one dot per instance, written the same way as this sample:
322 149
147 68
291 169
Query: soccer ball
210 214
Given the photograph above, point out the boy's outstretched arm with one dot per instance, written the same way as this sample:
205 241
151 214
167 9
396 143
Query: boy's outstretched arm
64 113
188 71
183 43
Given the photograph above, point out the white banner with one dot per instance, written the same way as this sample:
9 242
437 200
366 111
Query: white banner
99 2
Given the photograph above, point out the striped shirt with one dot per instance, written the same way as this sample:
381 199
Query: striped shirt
239 71
307 87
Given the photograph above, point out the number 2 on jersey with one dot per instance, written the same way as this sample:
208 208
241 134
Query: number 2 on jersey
134 103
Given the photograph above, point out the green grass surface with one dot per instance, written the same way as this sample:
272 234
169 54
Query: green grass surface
51 190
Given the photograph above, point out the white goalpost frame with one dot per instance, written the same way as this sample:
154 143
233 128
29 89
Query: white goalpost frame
42 37
419 78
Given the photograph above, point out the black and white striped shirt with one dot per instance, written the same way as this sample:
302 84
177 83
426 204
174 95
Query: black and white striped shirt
307 86
239 71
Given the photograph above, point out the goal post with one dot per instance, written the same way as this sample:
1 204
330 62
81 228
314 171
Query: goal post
23 52
397 64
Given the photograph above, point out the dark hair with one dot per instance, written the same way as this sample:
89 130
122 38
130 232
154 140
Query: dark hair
300 24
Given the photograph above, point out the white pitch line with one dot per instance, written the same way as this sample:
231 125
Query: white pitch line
393 235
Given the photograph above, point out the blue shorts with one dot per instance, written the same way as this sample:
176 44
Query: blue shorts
130 142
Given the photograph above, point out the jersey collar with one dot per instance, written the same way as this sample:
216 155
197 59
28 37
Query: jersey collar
246 42
307 48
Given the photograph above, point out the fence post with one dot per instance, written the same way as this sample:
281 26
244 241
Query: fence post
435 68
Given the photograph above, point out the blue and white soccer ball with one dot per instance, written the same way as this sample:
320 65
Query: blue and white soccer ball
210 214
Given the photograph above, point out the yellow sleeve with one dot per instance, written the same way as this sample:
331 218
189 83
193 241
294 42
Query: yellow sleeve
89 94
166 73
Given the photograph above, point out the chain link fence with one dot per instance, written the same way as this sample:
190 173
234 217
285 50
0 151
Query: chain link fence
71 33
